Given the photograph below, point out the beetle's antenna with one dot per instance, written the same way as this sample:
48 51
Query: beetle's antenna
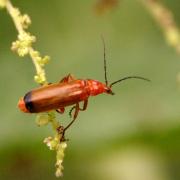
105 67
129 77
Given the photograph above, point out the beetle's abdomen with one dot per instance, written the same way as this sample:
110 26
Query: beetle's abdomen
54 96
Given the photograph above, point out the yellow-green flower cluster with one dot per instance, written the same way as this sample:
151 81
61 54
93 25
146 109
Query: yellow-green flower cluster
25 39
40 78
2 3
45 118
59 147
23 44
42 119
23 19
59 158
39 63
54 143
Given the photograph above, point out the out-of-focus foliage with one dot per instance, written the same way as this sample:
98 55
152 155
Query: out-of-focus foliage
132 135
104 5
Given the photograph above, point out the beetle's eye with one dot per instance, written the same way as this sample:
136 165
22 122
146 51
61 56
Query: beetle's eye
109 91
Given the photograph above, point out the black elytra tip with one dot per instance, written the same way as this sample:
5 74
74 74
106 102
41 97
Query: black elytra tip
28 102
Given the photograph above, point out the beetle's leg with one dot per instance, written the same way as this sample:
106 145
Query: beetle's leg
60 110
77 109
70 112
68 78
84 105
81 109
74 117
60 131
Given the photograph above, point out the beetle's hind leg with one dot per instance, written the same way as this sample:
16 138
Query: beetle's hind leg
77 109
71 110
74 118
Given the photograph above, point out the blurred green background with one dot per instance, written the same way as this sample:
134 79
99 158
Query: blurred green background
132 135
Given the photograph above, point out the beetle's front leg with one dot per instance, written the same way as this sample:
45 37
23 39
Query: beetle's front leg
84 105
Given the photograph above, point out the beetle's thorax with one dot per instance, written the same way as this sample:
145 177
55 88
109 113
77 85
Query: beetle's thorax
96 87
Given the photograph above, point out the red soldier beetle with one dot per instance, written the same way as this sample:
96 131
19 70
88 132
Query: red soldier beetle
69 91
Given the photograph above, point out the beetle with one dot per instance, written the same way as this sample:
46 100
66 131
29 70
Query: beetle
69 91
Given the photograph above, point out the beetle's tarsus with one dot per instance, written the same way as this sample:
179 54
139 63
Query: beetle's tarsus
61 132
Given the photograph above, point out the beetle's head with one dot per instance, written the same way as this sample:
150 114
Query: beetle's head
95 87
108 90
